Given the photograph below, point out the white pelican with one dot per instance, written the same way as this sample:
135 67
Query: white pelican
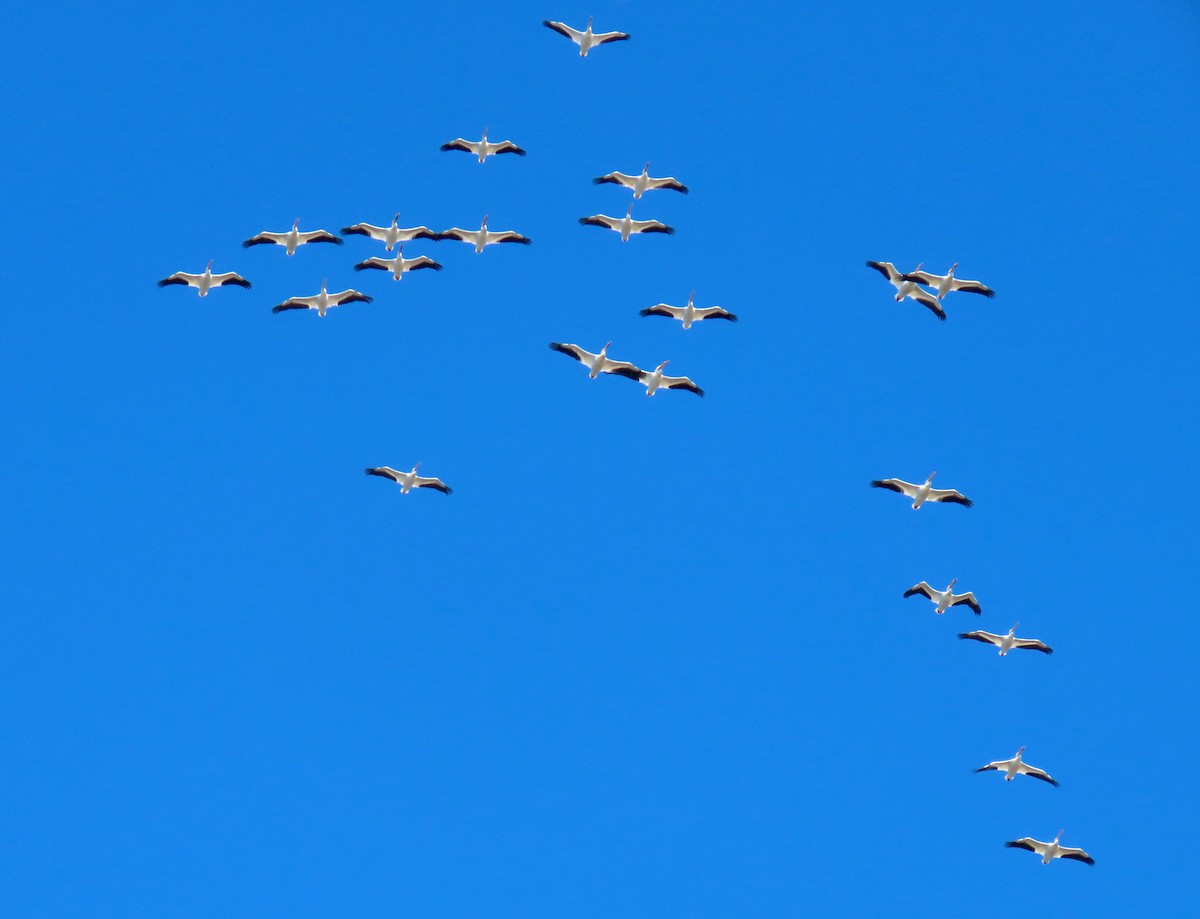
922 493
586 39
655 380
483 148
292 239
1015 767
907 288
690 313
944 283
944 598
389 236
640 183
202 282
484 237
1050 850
398 265
322 301
626 225
598 363
1007 642
409 480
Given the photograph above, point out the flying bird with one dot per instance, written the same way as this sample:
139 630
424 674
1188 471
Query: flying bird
1014 767
1007 642
922 493
398 265
655 380
1050 850
690 313
292 239
944 283
944 599
598 363
391 235
586 39
910 289
484 237
626 225
322 301
640 184
482 148
409 480
206 280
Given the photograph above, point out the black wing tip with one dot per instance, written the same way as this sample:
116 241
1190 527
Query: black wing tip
648 311
1015 844
238 282
247 243
280 308
699 392
967 635
585 221
912 592
681 188
445 147
167 282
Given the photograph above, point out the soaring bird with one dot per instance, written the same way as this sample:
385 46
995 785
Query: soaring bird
598 363
640 184
906 288
1007 642
322 301
690 313
483 148
399 264
944 599
391 235
1014 767
1050 850
944 283
484 237
626 225
922 493
586 39
409 480
206 280
292 239
654 380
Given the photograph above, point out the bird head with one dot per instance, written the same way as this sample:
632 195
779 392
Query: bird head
659 368
484 224
951 584
395 218
691 297
324 281
1059 836
1013 630
605 348
1019 752
208 267
646 169
931 475
629 213
296 223
952 267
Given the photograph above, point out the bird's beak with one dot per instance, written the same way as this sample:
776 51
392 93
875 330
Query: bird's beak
605 348
209 266
663 364
953 582
295 223
931 475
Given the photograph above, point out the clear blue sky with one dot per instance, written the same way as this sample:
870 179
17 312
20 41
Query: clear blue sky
651 657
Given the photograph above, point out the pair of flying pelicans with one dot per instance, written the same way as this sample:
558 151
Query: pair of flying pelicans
908 285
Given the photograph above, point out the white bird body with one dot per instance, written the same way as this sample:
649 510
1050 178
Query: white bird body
908 288
1006 643
483 148
642 183
655 379
292 239
1015 766
944 283
924 492
409 480
598 363
586 39
626 225
398 265
1051 850
483 236
944 599
688 314
322 302
206 280
390 235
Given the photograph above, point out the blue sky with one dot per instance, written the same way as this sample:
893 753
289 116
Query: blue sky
651 657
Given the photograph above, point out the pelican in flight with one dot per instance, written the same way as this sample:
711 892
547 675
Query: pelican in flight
640 184
292 239
655 379
1050 850
586 39
482 148
626 225
944 283
906 288
398 265
690 313
1007 642
922 493
409 480
322 301
598 363
206 280
1015 767
944 599
389 236
484 237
